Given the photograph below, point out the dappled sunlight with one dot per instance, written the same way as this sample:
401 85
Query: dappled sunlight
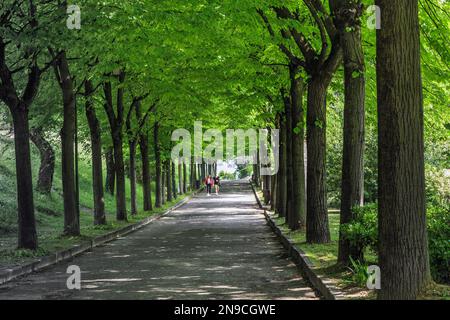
210 248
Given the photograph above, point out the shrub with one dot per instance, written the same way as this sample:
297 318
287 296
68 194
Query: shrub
362 232
359 272
438 220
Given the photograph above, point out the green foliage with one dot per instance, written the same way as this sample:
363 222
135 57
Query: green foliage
359 272
362 232
226 175
244 171
438 220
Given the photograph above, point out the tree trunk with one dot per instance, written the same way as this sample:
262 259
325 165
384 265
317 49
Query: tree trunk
158 173
110 171
193 174
163 183
180 178
132 173
116 121
267 188
273 193
146 176
121 207
169 180
71 217
317 229
27 238
47 166
96 152
184 178
289 168
347 17
403 244
174 184
281 175
298 193
202 171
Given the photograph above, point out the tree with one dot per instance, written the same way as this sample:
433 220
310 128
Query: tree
168 181
110 182
298 213
20 20
403 255
144 148
116 122
65 81
158 169
347 18
96 155
47 166
319 66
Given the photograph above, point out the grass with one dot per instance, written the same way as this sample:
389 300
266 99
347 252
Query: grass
49 209
324 258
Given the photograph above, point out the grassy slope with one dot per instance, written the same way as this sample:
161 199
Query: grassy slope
49 209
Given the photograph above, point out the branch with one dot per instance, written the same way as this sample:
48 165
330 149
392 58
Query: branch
32 86
322 30
305 47
327 20
291 57
108 106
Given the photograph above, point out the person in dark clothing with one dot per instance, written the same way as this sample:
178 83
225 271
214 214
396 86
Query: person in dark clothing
217 184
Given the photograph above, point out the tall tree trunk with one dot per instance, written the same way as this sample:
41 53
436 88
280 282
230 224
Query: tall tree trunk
118 154
25 205
317 229
184 178
47 157
163 183
403 244
71 217
289 167
193 174
96 158
258 169
169 180
273 193
132 173
298 211
180 178
347 20
158 173
132 145
27 236
116 121
281 175
174 184
267 188
110 171
146 176
121 209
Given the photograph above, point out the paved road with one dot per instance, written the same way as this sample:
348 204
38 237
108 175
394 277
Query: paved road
216 247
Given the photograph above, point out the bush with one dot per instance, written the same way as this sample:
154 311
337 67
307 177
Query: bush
363 231
438 220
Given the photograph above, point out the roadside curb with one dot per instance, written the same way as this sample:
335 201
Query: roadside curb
321 284
67 254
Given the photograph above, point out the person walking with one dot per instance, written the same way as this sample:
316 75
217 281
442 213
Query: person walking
217 184
208 182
